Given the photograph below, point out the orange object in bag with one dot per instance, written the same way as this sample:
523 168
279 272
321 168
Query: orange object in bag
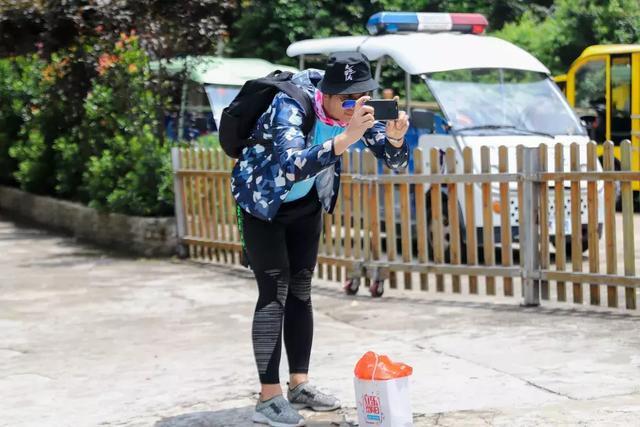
379 367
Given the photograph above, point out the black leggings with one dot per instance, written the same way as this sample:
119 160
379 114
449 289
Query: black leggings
282 255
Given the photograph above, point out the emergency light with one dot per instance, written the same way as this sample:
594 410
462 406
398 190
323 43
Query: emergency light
394 22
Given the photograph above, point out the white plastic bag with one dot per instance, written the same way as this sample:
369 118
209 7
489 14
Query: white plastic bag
383 403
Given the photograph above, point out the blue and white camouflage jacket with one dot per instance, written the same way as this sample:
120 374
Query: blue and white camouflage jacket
264 173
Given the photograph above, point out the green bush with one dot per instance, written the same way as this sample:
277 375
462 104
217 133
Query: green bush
19 87
132 176
99 142
34 156
210 140
40 115
128 168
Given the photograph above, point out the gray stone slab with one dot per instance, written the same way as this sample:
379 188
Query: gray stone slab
145 236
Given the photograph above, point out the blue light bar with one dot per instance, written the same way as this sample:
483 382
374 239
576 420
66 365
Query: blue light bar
394 22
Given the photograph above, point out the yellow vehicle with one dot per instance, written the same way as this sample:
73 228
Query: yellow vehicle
603 86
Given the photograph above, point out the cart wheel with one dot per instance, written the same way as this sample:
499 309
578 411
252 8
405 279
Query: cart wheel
351 286
376 288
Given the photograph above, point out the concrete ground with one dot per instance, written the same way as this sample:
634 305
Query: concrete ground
93 339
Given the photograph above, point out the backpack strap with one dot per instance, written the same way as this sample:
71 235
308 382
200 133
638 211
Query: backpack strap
307 105
299 95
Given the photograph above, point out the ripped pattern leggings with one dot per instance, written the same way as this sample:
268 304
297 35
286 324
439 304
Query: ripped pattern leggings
282 255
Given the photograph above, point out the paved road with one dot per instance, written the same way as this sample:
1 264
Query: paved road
93 339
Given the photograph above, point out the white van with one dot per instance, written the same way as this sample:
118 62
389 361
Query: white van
483 91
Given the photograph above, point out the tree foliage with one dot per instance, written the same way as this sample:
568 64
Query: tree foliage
558 38
555 31
264 28
166 28
85 118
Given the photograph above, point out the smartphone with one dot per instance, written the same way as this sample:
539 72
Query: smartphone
384 109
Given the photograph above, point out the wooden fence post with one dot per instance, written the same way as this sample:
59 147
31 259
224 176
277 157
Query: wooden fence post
529 228
183 251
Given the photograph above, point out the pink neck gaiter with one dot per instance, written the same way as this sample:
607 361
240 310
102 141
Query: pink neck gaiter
321 114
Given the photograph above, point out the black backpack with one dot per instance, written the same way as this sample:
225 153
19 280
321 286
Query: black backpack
240 117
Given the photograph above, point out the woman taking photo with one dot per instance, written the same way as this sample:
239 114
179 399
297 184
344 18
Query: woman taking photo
281 189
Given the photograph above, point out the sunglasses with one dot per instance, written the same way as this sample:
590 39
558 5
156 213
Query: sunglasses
350 101
348 104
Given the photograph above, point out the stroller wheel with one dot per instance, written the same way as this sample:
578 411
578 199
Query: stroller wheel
377 288
351 286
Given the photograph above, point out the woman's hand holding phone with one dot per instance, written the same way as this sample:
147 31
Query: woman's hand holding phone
361 120
396 129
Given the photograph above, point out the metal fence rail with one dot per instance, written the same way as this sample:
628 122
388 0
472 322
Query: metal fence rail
497 222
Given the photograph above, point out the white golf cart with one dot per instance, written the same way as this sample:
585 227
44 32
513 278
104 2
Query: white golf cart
480 91
211 83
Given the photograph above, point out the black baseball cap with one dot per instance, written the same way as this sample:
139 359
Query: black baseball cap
347 73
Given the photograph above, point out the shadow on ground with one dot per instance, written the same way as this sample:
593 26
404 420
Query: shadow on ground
224 418
241 417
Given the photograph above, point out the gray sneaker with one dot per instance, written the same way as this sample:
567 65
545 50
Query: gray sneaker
277 412
307 396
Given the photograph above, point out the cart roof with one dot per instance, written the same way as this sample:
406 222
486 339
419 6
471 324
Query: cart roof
222 71
419 53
